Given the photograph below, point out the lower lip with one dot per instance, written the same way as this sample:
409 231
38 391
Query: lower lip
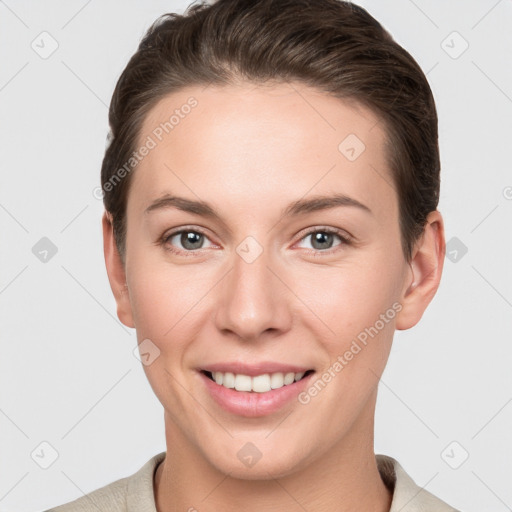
252 404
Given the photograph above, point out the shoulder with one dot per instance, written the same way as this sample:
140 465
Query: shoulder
131 493
110 497
407 496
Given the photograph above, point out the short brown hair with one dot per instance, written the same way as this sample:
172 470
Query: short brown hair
331 45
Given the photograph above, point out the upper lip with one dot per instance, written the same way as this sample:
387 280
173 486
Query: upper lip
253 369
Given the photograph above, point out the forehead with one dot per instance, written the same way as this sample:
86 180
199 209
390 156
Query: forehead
270 141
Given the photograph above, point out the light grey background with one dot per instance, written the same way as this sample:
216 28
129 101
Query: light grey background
68 376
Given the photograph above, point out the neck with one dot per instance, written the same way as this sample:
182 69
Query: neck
342 480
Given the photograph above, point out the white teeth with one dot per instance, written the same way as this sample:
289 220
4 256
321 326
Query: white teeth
259 384
276 380
243 383
289 378
228 380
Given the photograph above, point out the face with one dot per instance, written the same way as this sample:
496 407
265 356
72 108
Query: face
280 257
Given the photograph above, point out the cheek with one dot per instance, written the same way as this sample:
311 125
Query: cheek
352 297
358 304
160 299
162 306
169 305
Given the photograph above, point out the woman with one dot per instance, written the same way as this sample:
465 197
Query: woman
270 192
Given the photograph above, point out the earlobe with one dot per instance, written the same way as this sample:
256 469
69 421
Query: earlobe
116 273
426 268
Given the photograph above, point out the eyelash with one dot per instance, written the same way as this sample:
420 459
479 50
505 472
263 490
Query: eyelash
346 240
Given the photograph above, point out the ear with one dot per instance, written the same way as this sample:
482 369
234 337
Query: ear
425 272
116 272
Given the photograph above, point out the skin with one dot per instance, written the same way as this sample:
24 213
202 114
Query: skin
249 151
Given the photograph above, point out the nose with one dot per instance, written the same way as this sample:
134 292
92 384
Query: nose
253 301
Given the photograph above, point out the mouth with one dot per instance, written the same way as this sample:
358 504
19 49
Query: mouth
262 383
254 390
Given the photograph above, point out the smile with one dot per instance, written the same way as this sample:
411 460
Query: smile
254 390
258 383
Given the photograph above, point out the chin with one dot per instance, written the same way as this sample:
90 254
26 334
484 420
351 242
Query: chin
250 463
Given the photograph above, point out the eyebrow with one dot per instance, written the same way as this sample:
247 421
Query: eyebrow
296 208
